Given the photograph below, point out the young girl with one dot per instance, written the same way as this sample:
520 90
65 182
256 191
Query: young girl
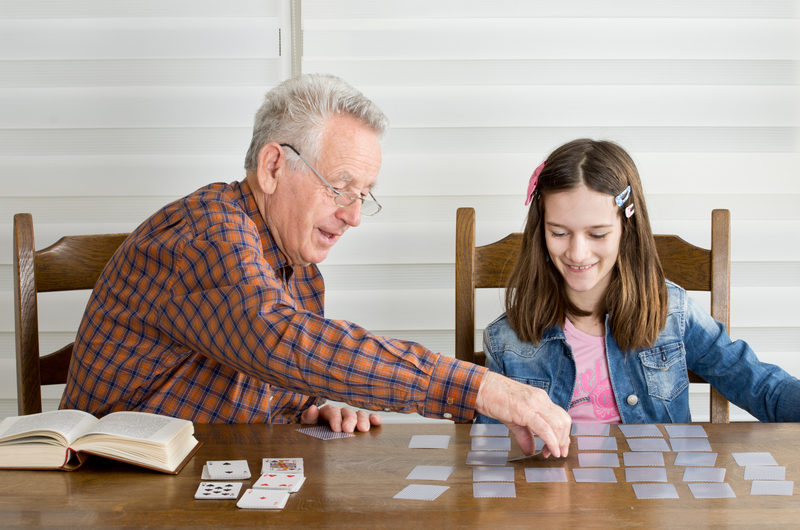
591 319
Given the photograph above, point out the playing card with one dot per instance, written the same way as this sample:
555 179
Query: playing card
686 431
487 458
639 431
646 474
704 474
323 432
597 443
493 489
488 429
647 444
772 487
594 475
431 473
545 474
689 444
279 481
282 465
590 429
263 499
696 459
218 490
226 470
765 473
491 444
492 474
643 459
655 491
754 459
539 446
598 460
429 441
712 491
421 492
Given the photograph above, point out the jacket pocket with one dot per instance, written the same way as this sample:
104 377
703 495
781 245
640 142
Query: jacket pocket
665 370
538 383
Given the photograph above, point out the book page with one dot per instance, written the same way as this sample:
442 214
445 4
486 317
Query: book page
65 425
139 426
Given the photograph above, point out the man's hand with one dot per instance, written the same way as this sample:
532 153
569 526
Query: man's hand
340 419
525 410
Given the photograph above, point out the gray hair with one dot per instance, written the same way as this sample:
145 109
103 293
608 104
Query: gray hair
296 111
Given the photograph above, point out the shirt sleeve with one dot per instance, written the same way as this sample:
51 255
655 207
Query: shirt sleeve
227 303
764 390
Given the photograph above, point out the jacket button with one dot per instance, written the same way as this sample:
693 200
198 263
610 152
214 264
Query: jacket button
632 400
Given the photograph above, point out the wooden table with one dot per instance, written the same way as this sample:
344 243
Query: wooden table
350 484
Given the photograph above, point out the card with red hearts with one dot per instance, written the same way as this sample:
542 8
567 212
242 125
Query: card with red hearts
279 481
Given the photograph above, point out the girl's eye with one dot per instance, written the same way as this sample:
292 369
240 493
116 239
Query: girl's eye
558 234
597 236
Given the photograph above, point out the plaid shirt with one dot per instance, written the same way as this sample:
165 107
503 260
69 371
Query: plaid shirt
199 316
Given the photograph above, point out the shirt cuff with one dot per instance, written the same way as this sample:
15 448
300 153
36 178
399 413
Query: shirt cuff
453 390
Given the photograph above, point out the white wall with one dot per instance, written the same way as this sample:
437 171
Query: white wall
110 110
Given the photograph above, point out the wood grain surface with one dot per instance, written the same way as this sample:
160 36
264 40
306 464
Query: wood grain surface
350 484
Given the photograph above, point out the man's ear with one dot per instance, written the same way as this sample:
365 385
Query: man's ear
271 164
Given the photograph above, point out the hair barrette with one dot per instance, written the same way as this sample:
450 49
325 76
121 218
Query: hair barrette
622 197
629 211
532 183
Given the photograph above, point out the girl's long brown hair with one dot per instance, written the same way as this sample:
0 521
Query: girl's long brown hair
636 298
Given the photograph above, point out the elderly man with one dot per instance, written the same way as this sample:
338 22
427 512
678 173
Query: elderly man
212 310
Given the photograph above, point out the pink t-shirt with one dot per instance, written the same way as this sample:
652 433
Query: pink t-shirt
593 400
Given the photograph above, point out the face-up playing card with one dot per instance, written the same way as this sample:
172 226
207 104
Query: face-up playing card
279 481
689 444
218 490
226 470
594 475
647 444
597 443
493 489
646 474
712 491
492 474
282 465
639 431
590 429
704 474
598 460
765 473
263 499
545 474
754 459
772 487
643 459
696 459
488 429
686 431
487 458
431 473
421 492
655 491
323 432
480 443
429 441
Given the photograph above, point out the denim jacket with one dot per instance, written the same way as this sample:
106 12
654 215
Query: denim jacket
651 385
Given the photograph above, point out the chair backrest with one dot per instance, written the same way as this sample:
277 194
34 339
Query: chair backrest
72 263
691 267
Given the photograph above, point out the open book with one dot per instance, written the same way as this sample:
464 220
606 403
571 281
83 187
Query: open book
61 440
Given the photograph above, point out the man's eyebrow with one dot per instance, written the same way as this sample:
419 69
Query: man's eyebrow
593 226
345 177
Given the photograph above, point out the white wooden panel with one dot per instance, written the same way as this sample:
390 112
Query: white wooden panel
82 107
141 38
560 38
136 8
589 105
413 9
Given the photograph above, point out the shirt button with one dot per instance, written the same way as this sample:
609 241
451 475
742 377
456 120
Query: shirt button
447 415
632 400
387 410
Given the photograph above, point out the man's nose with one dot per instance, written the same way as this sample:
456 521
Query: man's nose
350 214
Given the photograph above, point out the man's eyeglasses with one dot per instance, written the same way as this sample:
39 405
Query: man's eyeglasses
343 199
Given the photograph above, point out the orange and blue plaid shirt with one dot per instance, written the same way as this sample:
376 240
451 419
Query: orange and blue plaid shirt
199 316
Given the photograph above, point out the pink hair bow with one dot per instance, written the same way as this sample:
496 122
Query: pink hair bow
533 182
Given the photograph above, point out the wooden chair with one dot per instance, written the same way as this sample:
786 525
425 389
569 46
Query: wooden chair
691 267
72 263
